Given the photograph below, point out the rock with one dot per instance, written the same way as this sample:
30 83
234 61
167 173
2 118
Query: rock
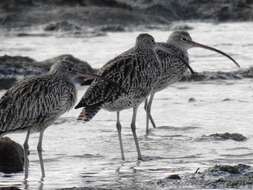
6 83
191 99
11 156
9 188
62 26
226 100
170 178
226 176
112 28
205 76
27 13
223 137
16 61
238 176
194 77
174 176
227 136
23 34
237 169
246 73
16 67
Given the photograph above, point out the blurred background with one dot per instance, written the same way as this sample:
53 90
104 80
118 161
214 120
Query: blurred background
24 24
85 13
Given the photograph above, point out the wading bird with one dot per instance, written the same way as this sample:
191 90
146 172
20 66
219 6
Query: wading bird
34 104
135 71
178 44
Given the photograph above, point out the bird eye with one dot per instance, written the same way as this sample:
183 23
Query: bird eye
70 69
184 39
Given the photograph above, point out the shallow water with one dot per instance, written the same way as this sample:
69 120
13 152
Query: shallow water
83 155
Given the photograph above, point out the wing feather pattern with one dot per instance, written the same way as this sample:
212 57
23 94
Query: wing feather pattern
128 71
35 102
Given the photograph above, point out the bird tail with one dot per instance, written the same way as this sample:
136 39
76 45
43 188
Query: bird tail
89 112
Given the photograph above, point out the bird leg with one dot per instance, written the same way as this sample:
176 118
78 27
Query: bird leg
26 153
151 98
118 125
39 148
133 127
26 146
148 103
147 117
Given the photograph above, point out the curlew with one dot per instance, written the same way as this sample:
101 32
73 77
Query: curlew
35 103
174 64
135 71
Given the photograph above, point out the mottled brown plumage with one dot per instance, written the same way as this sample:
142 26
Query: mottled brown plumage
174 63
35 103
135 71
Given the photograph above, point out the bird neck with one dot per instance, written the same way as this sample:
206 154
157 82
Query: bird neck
141 49
176 51
177 45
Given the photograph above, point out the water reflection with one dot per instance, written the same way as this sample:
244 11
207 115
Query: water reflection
27 186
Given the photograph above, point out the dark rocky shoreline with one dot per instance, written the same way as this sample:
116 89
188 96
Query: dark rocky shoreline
117 14
238 176
13 68
90 18
215 177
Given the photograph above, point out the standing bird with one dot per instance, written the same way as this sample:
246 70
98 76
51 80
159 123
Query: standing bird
174 65
34 104
135 71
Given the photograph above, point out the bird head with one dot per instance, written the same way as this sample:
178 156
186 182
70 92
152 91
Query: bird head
145 41
72 68
183 40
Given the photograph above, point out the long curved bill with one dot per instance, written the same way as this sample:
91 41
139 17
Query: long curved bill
159 47
213 49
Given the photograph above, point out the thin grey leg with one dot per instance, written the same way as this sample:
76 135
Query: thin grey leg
148 104
39 148
147 116
26 152
149 109
133 127
118 125
41 186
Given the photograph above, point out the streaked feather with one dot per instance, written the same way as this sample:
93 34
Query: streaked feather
173 65
35 102
130 72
